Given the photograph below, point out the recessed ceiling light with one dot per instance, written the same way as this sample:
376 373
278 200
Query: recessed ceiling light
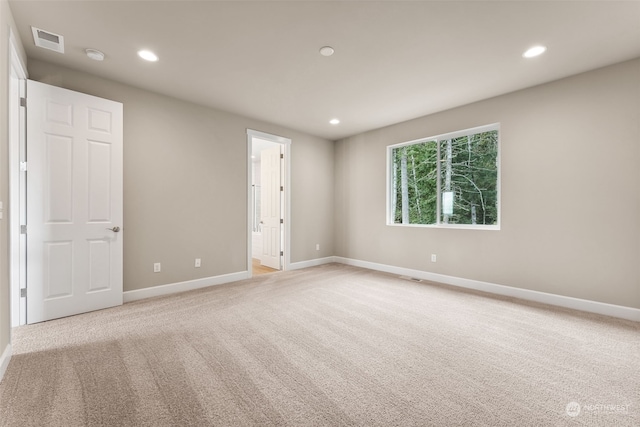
147 55
334 121
94 54
326 51
534 51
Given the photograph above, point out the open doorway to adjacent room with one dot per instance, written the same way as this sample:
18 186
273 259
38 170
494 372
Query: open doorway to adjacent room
268 166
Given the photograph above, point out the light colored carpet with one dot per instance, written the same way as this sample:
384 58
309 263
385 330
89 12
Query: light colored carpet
328 346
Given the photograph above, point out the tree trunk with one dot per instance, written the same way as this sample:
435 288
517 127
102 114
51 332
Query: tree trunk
404 186
415 186
447 176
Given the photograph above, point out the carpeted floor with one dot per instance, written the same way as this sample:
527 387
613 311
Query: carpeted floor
327 346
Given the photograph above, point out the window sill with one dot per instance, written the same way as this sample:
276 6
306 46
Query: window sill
450 226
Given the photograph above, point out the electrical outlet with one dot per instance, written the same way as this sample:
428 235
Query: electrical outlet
317 246
434 258
198 263
157 267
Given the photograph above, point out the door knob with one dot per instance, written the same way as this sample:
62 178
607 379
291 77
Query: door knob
114 229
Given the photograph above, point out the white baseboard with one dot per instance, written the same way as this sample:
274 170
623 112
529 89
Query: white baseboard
311 263
189 285
4 360
619 311
526 294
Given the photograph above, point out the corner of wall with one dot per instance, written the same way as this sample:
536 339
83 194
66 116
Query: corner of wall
5 358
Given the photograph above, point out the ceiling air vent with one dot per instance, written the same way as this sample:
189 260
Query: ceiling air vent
48 40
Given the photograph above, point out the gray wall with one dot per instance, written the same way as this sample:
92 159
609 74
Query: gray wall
570 192
185 183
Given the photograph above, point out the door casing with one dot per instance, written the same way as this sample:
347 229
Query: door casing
17 188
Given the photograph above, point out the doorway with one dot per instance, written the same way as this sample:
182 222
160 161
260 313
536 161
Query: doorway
268 202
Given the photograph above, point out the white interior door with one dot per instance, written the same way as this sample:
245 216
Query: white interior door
270 206
74 202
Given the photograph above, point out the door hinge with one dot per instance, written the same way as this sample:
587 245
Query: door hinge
281 156
281 221
23 166
23 102
23 229
281 188
281 253
23 292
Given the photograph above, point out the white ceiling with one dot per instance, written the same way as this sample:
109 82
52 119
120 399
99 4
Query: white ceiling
394 60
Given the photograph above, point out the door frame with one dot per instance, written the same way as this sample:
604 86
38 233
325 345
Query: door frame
17 188
286 196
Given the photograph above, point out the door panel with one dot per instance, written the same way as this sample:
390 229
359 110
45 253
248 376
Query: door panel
99 181
74 199
58 274
270 206
99 265
58 164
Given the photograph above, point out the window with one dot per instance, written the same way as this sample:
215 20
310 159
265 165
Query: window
449 180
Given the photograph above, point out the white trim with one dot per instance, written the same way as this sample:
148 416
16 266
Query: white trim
16 59
451 226
286 143
619 311
4 360
312 263
172 288
249 206
17 195
268 136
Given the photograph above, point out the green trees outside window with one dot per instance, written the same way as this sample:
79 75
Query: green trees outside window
451 179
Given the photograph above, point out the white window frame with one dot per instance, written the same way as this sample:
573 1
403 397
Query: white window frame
435 139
